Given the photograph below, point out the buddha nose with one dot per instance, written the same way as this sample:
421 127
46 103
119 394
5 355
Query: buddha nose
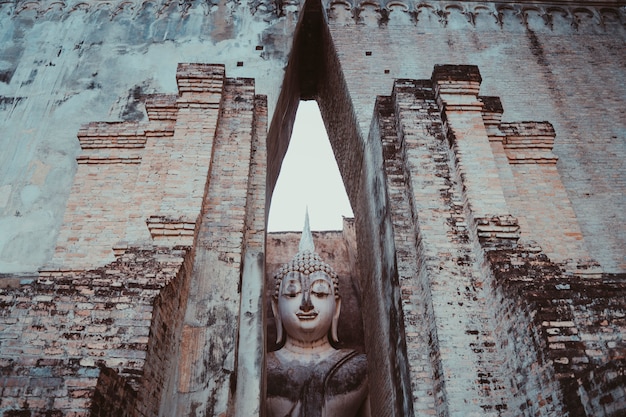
306 304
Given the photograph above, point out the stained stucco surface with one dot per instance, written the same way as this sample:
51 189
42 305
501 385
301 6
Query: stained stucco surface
65 65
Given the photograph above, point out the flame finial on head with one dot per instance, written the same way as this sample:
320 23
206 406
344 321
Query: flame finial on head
306 240
306 261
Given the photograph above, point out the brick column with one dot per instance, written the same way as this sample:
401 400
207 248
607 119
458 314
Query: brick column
534 190
456 89
416 298
446 316
142 183
250 390
539 197
208 350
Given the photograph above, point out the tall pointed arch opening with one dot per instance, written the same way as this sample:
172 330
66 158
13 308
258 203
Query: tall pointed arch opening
309 179
314 73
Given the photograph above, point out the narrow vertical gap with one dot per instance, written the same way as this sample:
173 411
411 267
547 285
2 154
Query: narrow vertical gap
309 178
314 73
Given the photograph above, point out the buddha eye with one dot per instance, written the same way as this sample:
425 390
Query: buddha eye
320 289
291 294
292 290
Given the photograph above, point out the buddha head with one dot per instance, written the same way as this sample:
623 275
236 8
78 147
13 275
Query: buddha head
306 301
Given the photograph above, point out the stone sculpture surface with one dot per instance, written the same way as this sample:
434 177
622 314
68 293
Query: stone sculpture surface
307 376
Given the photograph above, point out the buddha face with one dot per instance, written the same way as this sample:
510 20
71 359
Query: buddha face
307 306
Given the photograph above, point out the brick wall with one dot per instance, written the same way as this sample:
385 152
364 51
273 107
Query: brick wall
61 329
416 297
449 334
470 347
576 324
530 179
100 64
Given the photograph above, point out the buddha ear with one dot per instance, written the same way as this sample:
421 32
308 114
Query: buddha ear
335 323
278 321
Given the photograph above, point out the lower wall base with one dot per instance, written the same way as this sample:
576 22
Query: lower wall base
579 327
72 338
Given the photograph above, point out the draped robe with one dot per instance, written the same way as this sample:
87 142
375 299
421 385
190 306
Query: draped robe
335 386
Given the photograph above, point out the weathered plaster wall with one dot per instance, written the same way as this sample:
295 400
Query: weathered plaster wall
61 67
543 64
64 65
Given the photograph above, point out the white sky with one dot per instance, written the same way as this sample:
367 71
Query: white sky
309 177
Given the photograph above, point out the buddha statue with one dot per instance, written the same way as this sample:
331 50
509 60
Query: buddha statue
307 376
